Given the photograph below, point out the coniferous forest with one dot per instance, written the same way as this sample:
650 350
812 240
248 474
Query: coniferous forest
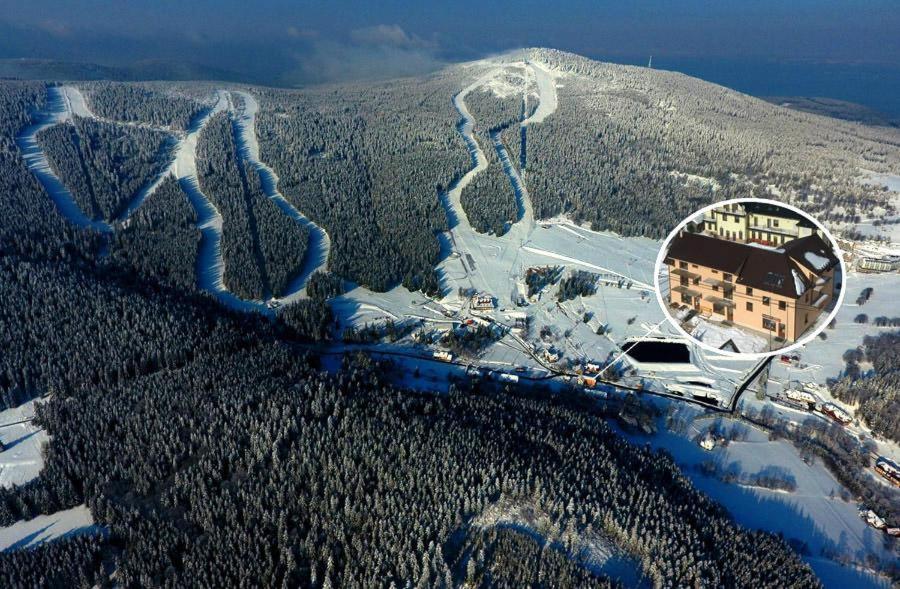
218 448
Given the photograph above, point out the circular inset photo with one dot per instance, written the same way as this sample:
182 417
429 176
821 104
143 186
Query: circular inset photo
750 277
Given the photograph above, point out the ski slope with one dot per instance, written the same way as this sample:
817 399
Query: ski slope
56 111
315 258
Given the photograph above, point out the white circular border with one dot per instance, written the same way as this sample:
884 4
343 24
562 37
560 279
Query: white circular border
758 355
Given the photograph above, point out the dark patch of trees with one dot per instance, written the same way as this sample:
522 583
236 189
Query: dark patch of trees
864 296
105 165
878 393
67 562
579 283
30 220
489 200
368 163
469 341
311 318
539 278
160 239
261 246
136 104
505 557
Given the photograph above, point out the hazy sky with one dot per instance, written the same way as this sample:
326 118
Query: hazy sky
293 42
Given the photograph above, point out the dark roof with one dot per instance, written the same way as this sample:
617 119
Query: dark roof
810 251
762 208
721 254
771 270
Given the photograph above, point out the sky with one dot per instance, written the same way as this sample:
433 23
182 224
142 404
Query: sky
285 42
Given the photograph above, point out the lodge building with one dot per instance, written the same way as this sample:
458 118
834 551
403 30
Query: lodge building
757 222
779 292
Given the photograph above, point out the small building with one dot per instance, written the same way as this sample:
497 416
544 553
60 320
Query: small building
482 302
873 519
803 397
836 413
888 471
550 355
885 264
443 356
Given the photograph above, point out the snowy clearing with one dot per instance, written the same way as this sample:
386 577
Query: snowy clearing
22 441
44 528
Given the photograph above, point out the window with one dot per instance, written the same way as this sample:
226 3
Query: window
721 232
749 306
715 287
715 271
726 277
806 319
767 301
774 222
687 299
782 305
769 324
682 264
693 265
740 235
749 292
683 281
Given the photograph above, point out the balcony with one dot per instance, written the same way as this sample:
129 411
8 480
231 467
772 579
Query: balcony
687 291
684 272
724 285
719 301
789 232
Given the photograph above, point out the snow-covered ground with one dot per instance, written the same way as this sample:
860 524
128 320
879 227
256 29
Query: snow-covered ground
44 528
823 359
594 551
315 258
624 303
21 459
55 111
546 82
813 514
717 335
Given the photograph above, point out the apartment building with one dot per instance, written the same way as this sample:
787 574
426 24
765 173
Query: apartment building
779 292
757 222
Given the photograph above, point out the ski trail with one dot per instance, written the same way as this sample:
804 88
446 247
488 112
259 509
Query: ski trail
523 201
210 263
462 235
56 111
315 258
546 91
77 106
466 127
